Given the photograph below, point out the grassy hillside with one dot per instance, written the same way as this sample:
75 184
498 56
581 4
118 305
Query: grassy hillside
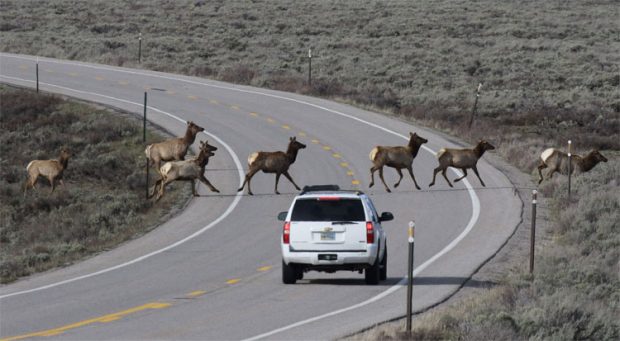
102 203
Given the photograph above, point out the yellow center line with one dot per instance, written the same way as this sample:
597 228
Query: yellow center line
192 97
350 173
270 120
344 164
284 126
254 114
123 82
337 156
327 147
49 70
355 182
73 74
99 78
232 281
302 134
265 268
101 319
212 101
170 92
234 107
196 293
315 141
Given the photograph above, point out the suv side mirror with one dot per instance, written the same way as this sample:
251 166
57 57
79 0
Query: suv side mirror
386 216
282 216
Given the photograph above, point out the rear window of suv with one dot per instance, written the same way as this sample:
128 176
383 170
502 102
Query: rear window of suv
333 209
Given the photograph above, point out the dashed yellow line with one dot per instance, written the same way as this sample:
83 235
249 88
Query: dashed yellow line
233 281
101 319
337 156
192 97
254 114
350 173
315 141
234 107
99 78
344 164
212 101
327 147
123 82
355 182
270 120
302 134
265 268
284 126
196 293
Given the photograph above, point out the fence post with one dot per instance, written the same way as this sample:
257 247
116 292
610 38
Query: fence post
473 112
37 72
309 67
570 168
533 230
139 47
410 275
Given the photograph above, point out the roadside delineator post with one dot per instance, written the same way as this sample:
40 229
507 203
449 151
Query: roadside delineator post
37 72
473 111
533 230
144 140
410 275
570 167
139 47
309 67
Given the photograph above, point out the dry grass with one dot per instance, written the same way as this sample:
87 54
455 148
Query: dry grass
102 203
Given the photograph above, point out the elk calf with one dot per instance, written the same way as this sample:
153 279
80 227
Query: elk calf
51 169
186 170
557 161
398 157
173 149
460 158
273 162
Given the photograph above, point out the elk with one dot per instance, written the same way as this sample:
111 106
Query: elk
397 157
51 169
186 170
172 149
460 158
273 162
558 162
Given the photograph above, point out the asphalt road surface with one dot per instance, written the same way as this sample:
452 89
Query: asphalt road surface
214 271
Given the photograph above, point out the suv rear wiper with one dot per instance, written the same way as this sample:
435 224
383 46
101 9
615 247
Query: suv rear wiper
343 222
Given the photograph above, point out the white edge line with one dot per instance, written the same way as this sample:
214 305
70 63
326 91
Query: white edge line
230 208
470 190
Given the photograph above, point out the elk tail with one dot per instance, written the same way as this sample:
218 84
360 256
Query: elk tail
373 153
441 152
546 154
252 158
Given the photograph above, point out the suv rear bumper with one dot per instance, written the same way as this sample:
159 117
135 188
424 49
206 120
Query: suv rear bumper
312 257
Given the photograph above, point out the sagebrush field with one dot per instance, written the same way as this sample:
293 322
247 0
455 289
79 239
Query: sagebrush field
103 201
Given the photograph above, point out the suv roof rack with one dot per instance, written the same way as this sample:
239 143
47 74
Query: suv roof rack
326 188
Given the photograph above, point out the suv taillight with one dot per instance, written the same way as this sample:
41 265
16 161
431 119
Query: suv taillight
370 232
286 232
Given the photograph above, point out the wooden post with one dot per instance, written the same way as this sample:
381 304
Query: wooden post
473 112
533 231
570 168
309 67
410 275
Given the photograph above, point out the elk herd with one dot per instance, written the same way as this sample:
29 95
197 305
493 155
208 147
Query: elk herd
176 168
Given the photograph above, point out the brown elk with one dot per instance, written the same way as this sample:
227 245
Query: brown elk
460 158
51 169
558 162
186 170
398 157
173 149
273 162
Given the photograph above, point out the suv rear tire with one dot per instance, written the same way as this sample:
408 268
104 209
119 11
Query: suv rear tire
383 275
289 273
372 274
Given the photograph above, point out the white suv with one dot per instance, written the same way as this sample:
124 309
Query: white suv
328 229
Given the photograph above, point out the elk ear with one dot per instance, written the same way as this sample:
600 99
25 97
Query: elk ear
411 134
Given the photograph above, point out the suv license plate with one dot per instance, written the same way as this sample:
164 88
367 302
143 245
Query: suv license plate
328 235
328 257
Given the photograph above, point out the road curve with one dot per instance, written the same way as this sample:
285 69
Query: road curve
213 272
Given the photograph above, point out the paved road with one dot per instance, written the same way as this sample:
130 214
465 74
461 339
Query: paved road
213 272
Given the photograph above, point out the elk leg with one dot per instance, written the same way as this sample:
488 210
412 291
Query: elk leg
540 168
277 180
208 184
248 178
373 169
53 183
413 177
157 183
381 177
161 190
551 171
478 175
288 176
464 175
194 193
400 177
443 172
435 171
